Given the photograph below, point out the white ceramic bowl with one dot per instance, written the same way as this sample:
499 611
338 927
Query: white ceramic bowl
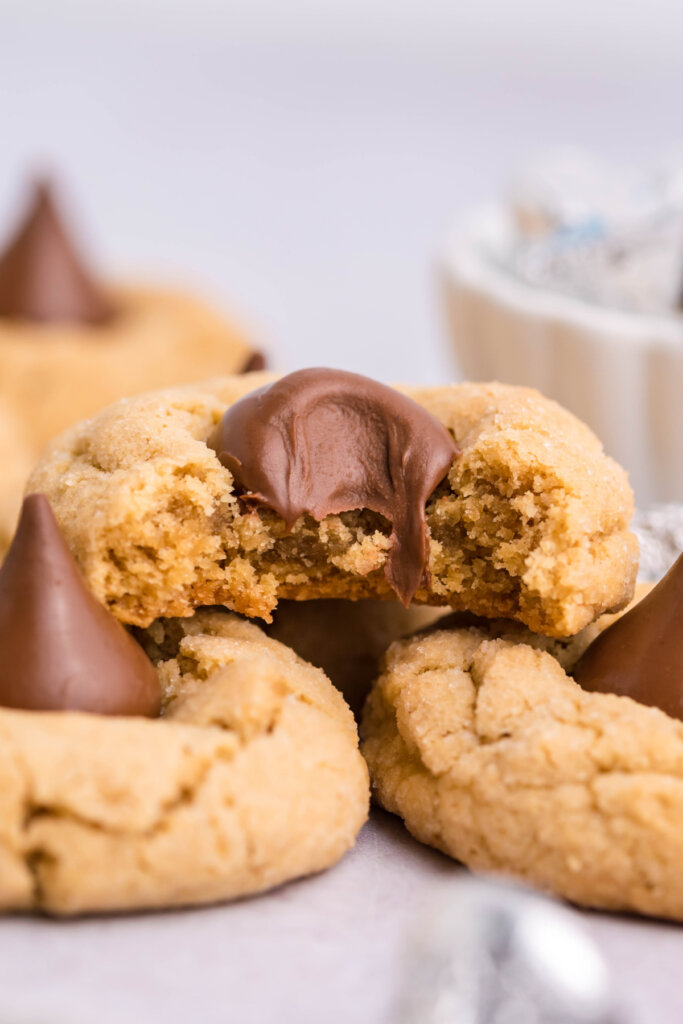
622 373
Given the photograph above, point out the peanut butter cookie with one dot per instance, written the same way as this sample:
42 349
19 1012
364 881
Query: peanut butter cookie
530 519
251 777
483 743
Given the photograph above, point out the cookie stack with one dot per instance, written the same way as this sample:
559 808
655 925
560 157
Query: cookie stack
189 512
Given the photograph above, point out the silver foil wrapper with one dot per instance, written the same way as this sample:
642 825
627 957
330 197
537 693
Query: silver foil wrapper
660 532
489 953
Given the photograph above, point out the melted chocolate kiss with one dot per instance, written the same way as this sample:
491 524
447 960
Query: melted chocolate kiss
641 654
42 278
60 650
320 442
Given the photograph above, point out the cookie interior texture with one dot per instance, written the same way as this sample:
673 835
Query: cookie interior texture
481 741
531 523
251 777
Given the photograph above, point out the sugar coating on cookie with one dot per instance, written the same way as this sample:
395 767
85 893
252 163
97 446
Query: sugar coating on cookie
531 522
252 777
480 740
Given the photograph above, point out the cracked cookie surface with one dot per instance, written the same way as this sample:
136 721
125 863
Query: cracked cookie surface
531 522
490 752
252 777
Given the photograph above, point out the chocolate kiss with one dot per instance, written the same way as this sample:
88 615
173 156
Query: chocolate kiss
60 650
42 277
641 654
256 361
319 442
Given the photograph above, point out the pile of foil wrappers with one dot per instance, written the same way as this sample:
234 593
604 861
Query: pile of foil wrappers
605 234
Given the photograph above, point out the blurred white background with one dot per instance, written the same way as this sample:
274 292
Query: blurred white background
302 162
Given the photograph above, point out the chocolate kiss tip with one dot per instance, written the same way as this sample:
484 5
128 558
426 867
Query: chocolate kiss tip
641 654
42 277
256 361
60 650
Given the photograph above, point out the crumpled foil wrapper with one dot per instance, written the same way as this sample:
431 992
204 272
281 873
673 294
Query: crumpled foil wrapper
489 953
660 532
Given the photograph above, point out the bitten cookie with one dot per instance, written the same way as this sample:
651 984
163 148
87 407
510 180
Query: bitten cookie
251 777
480 740
522 516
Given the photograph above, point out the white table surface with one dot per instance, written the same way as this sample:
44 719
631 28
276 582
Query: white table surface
325 949
302 163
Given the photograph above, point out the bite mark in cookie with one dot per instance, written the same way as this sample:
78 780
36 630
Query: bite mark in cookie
320 442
